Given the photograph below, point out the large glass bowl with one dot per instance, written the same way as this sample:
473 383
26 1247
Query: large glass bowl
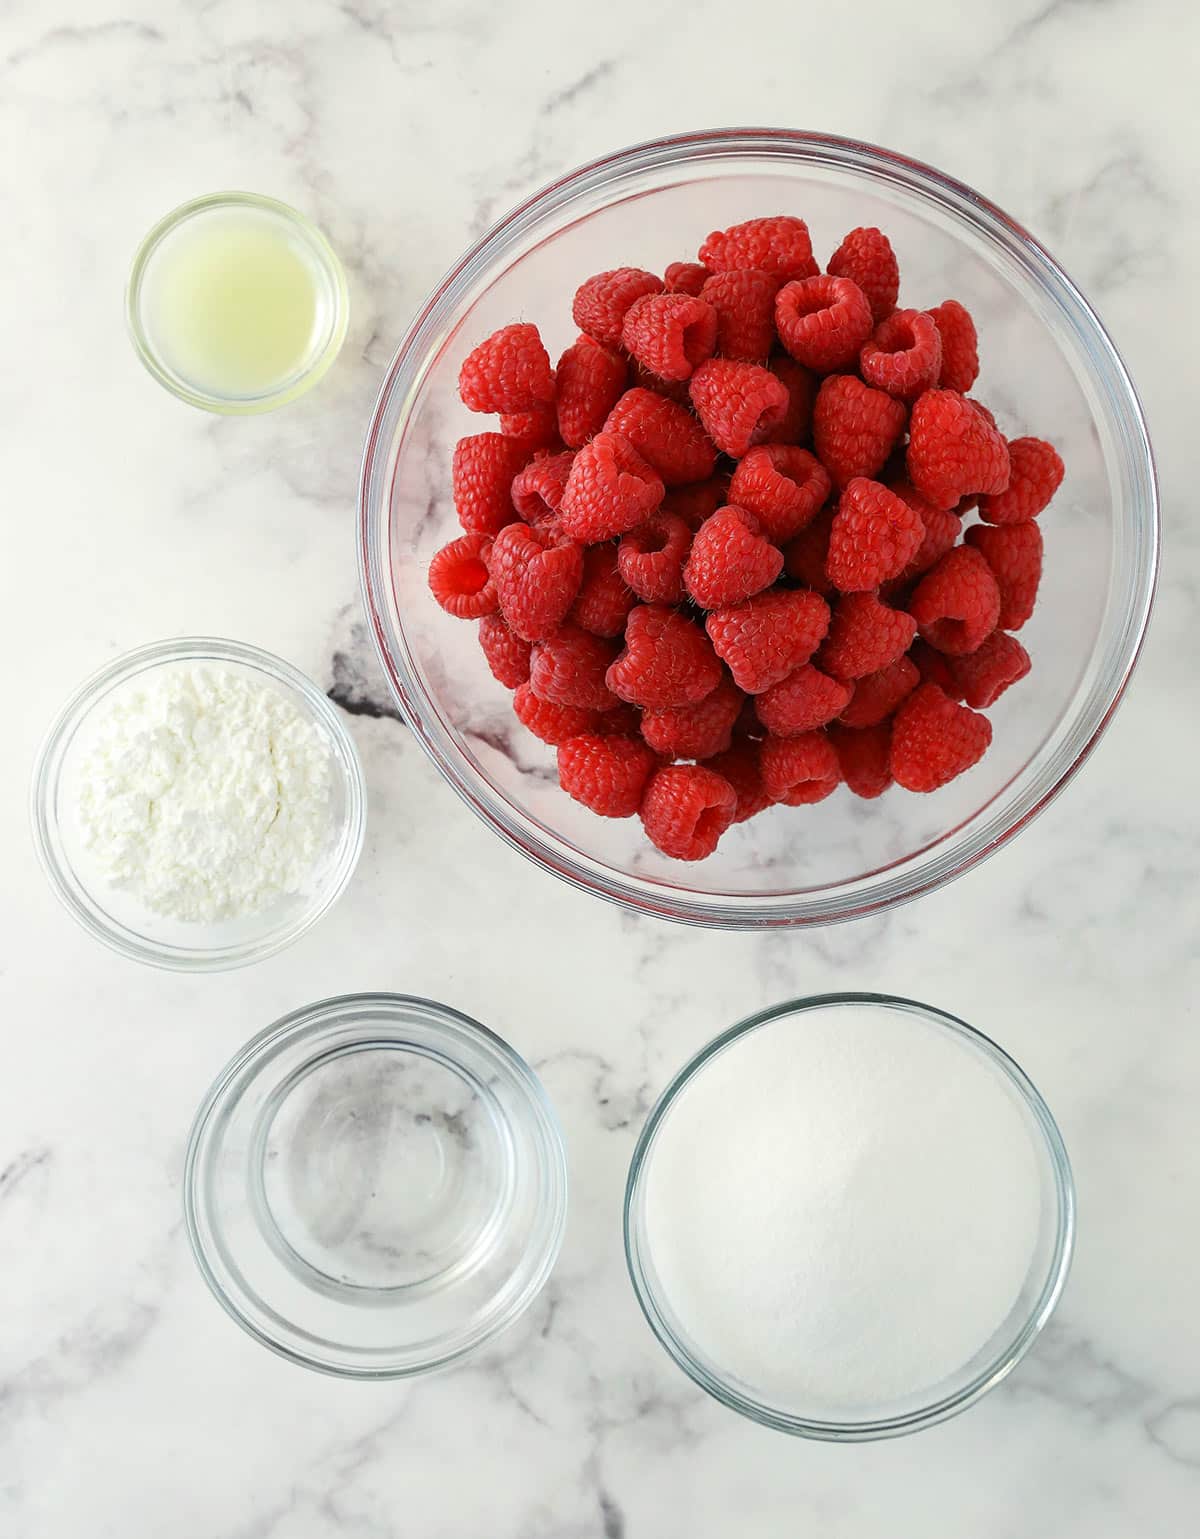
1048 368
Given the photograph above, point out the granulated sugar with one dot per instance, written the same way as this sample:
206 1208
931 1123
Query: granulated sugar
842 1207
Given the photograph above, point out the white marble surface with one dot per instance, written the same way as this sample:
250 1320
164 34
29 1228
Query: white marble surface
129 1406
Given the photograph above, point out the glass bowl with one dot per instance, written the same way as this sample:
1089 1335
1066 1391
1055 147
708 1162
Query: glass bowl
375 1186
1048 368
117 917
805 1404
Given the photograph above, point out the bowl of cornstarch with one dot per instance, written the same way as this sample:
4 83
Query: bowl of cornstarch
198 804
849 1217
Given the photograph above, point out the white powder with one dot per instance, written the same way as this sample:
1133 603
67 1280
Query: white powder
843 1206
206 794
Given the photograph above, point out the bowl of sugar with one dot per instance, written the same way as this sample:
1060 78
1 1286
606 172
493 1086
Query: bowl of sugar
849 1217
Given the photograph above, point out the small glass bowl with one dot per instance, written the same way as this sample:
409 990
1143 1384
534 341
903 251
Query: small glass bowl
119 919
325 268
376 1186
1047 1274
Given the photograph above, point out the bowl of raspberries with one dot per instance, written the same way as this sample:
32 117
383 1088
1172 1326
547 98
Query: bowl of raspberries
757 528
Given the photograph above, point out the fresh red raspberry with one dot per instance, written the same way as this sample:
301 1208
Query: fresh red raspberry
740 404
875 535
986 412
507 655
606 774
537 575
933 739
855 427
804 559
685 277
805 700
694 503
695 731
604 601
611 488
801 386
740 767
554 724
508 372
904 355
765 638
942 529
481 476
670 334
601 304
744 300
960 346
537 491
685 810
568 668
987 672
459 578
934 668
665 434
864 757
779 245
650 558
877 695
799 771
865 635
823 321
783 486
641 378
667 661
953 450
536 429
1036 474
591 379
730 559
1014 554
957 602
866 258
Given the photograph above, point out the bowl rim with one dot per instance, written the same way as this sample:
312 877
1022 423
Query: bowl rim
48 765
1002 1363
875 893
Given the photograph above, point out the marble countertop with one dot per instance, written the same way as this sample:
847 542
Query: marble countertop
129 1405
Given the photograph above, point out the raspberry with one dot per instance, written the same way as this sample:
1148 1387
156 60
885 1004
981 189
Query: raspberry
783 486
675 390
740 404
611 488
799 770
695 731
665 434
854 427
875 535
537 491
957 603
670 334
739 766
600 304
508 372
650 559
960 354
537 575
933 739
554 724
804 559
481 475
507 655
537 429
568 668
459 577
694 503
904 355
942 529
765 638
866 258
685 810
994 665
823 321
864 758
685 277
604 601
806 699
1036 474
865 635
607 774
953 450
934 668
801 386
779 245
667 661
877 695
1014 554
745 304
591 378
730 559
